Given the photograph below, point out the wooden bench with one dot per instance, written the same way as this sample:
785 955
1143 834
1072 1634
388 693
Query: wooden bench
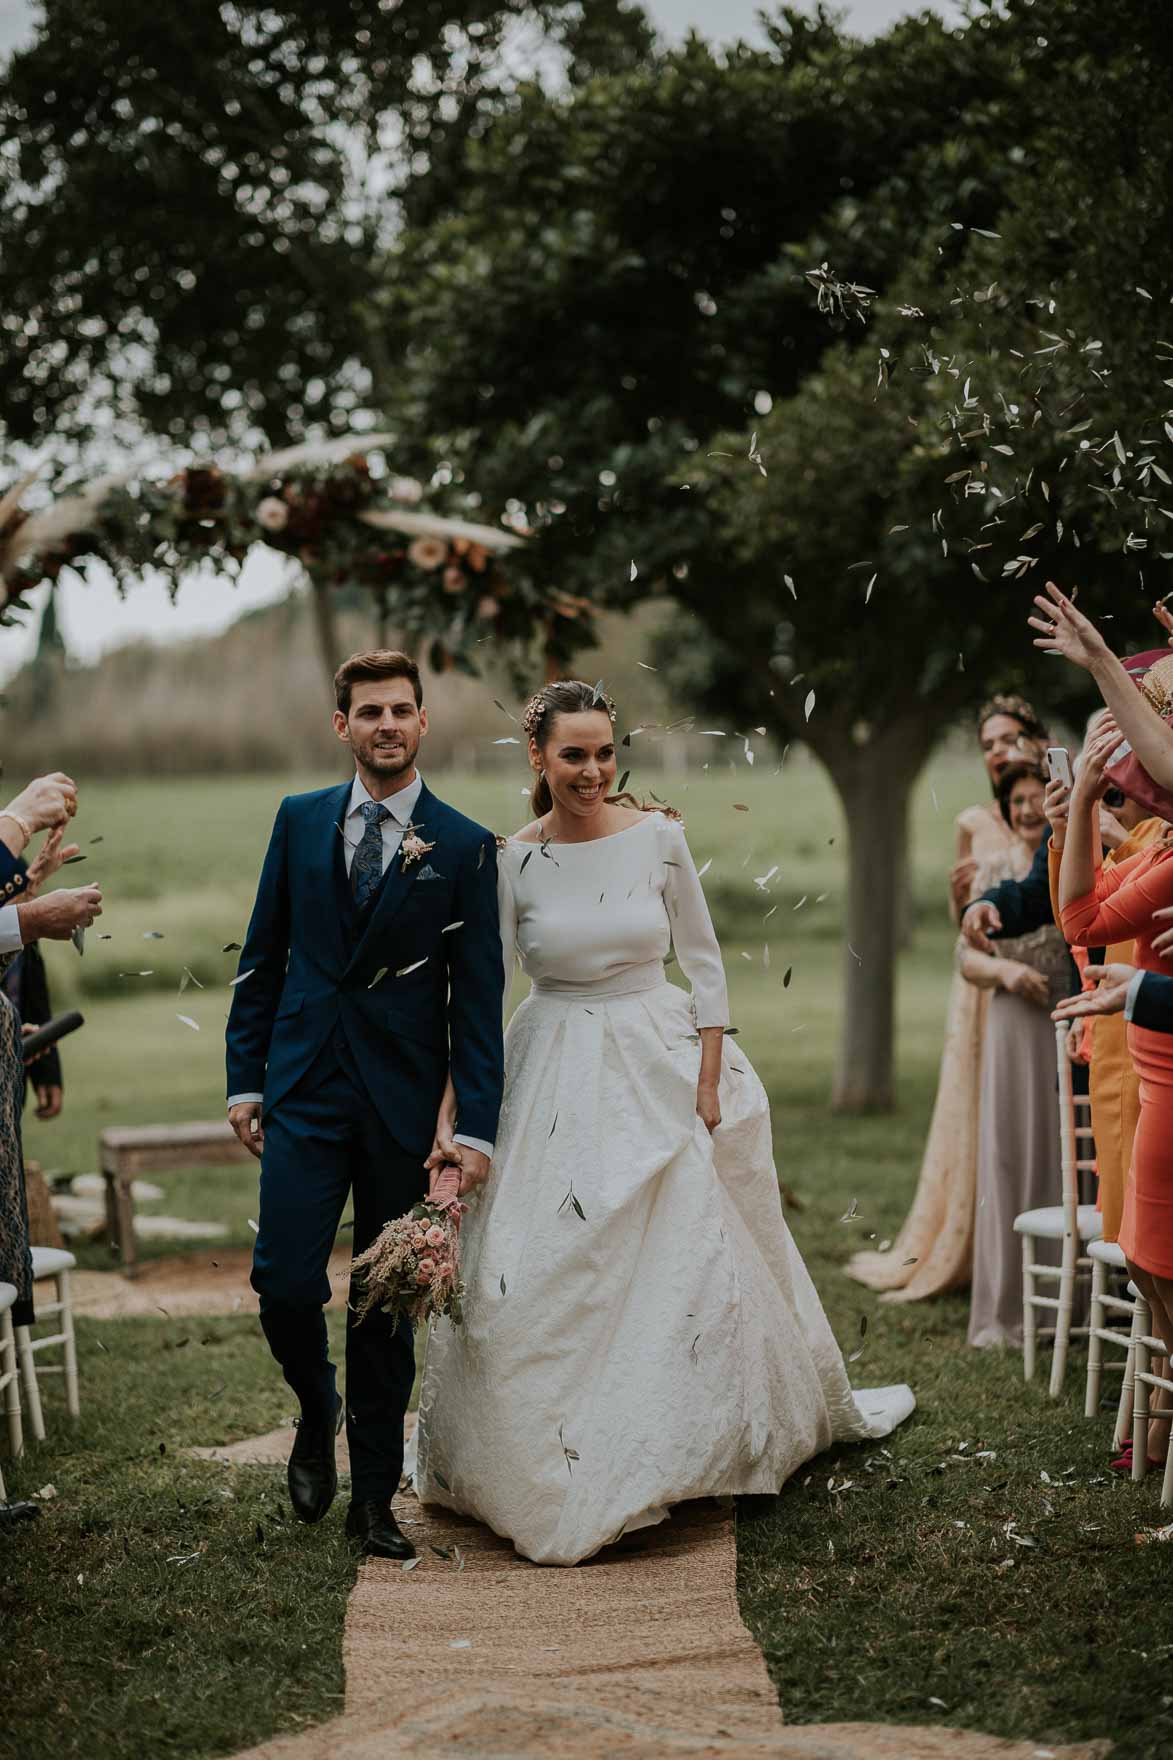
125 1153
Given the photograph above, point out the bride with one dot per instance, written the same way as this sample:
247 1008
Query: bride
639 1326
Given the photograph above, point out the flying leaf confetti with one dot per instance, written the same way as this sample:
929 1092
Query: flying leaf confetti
808 706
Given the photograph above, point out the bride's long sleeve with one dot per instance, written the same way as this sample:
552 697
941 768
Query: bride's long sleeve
507 908
693 935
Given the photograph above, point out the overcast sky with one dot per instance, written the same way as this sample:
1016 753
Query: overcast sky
92 616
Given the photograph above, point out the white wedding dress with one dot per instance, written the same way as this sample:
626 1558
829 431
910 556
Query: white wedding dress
639 1326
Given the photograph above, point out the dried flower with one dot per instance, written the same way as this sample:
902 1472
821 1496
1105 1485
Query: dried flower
272 514
428 552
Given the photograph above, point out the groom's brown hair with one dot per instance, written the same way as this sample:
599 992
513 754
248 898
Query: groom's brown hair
368 668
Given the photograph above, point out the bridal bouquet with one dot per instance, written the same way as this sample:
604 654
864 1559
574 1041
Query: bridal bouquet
413 1266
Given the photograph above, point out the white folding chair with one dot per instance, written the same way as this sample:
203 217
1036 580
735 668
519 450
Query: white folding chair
8 1378
1108 1259
54 1263
1072 1223
1144 1348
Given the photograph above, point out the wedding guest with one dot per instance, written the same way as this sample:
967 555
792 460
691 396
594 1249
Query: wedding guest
1113 1085
1142 718
46 804
26 985
1018 1129
933 1250
1101 907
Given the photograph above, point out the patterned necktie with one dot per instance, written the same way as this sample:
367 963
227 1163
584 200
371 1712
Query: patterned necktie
367 869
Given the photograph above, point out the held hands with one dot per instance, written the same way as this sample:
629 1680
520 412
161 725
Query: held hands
448 1158
245 1119
1024 981
1108 997
981 921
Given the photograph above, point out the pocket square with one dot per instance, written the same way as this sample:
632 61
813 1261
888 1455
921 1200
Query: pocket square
427 872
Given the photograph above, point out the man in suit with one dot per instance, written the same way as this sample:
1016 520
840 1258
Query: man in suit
1144 998
371 967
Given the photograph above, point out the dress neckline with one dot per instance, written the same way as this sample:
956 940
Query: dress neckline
582 843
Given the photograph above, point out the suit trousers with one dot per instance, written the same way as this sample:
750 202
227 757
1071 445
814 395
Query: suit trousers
323 1140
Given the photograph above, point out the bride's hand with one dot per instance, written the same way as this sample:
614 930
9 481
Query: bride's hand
708 1105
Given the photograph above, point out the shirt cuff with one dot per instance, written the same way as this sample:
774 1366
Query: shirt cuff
478 1143
11 940
1133 993
239 1099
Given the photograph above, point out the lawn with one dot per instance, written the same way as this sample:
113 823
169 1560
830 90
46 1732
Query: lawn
148 1611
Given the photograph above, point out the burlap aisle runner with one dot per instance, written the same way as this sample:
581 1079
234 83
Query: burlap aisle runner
639 1654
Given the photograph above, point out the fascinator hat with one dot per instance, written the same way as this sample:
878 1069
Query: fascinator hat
1152 673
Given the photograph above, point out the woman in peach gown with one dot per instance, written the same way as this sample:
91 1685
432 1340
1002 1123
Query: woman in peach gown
933 1251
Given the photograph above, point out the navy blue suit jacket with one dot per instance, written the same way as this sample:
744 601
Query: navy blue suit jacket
1153 1007
409 997
12 876
1025 905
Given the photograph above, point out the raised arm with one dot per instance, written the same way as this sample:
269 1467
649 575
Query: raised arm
263 959
1064 630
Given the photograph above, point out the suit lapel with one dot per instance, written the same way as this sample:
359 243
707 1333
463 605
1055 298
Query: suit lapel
396 884
330 865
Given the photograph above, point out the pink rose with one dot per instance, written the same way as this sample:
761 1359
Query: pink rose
272 514
435 1235
424 1270
419 1240
453 581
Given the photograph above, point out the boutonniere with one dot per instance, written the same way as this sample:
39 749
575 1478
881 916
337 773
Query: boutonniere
413 847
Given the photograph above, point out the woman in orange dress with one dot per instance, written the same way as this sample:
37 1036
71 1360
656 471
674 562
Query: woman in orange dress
933 1251
1100 907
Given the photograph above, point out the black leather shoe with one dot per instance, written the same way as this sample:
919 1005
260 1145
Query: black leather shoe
313 1477
375 1528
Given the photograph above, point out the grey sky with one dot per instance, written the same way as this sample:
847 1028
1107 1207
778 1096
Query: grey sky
94 618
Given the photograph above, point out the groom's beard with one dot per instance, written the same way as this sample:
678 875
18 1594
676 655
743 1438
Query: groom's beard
388 758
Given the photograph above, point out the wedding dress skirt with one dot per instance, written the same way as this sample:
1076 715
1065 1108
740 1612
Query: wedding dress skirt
640 1328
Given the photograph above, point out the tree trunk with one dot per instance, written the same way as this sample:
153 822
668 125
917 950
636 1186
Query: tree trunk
326 627
874 781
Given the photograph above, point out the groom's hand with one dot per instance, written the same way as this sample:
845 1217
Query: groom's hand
474 1169
245 1119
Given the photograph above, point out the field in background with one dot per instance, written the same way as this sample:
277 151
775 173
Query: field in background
179 860
981 1569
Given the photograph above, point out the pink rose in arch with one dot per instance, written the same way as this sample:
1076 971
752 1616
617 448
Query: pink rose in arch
435 1235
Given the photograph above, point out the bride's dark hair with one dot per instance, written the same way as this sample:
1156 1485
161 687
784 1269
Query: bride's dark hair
570 696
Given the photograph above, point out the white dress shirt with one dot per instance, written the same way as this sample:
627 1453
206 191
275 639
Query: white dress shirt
10 936
400 807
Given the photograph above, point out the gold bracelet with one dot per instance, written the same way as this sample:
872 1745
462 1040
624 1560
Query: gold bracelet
19 822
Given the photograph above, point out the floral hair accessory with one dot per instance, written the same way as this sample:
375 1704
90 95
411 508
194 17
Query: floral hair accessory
540 705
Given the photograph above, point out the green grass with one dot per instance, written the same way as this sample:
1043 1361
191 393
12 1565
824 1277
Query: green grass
869 1602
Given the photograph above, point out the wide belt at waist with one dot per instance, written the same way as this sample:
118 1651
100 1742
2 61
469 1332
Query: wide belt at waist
630 982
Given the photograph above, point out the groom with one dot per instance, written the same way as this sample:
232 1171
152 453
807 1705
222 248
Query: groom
371 967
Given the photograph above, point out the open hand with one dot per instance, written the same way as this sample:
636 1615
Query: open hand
981 921
52 855
1163 943
1108 997
1064 630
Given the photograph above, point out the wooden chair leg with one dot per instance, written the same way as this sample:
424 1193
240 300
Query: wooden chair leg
1124 1408
28 1381
1140 1401
12 1391
127 1244
1029 1325
1095 1346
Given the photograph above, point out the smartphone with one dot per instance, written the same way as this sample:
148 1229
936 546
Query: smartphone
1059 764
